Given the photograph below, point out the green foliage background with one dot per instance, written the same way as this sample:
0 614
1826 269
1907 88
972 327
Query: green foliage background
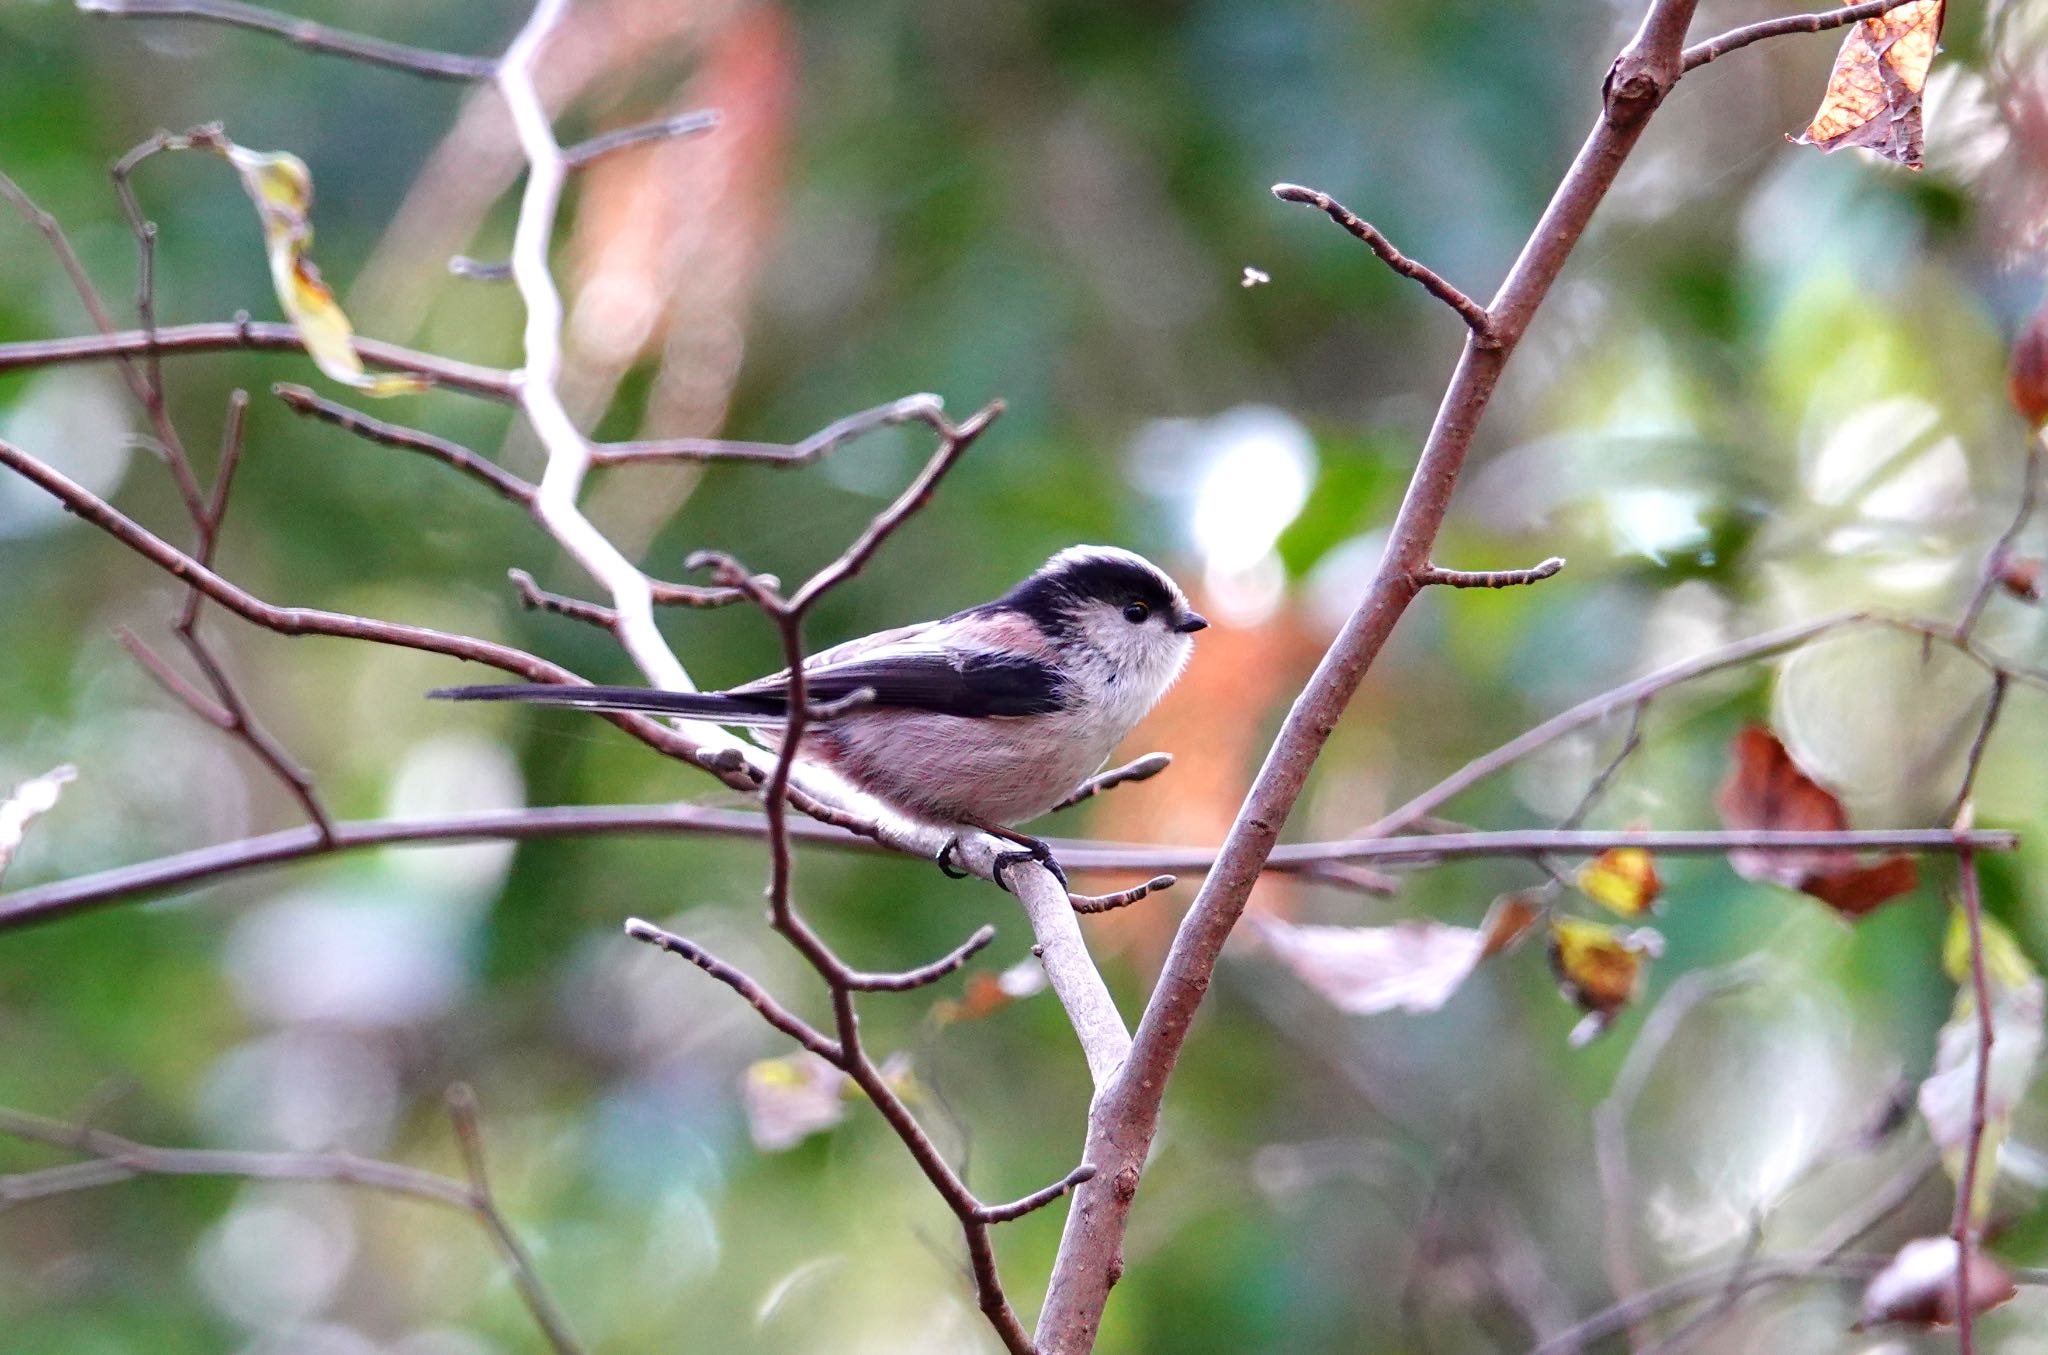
1050 203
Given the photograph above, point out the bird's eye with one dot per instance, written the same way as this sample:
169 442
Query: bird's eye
1137 613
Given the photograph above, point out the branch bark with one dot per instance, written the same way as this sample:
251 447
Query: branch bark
1126 1114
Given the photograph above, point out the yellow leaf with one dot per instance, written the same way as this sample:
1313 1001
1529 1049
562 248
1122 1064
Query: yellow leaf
1599 967
282 189
1873 96
1623 879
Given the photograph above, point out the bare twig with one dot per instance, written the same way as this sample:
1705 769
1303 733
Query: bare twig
502 482
1610 1120
1995 559
1963 1225
757 997
911 979
1037 1199
1314 860
925 409
1138 769
1492 578
304 33
1104 903
469 1137
658 129
1470 311
1700 53
258 336
116 1159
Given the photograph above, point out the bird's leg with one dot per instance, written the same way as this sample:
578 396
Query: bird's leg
1035 849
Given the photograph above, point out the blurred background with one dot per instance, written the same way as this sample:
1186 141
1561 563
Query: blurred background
1770 386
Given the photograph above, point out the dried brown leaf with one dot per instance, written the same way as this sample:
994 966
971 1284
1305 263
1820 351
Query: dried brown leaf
1918 1288
1874 91
1766 791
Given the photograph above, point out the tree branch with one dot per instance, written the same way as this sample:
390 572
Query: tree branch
1126 1114
1494 578
1139 769
304 33
1700 53
119 1159
658 129
1471 312
254 336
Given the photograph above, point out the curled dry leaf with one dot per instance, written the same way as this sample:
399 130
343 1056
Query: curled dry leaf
1918 1287
36 796
1600 968
1623 880
1766 791
1414 966
1512 918
1947 1098
281 186
1874 92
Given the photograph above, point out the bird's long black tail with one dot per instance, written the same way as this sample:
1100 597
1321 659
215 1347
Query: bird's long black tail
720 707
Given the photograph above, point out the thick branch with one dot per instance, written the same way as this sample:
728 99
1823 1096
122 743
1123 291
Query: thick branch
1126 1115
1470 311
304 33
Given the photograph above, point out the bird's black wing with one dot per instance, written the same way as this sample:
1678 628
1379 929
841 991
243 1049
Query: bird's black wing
946 682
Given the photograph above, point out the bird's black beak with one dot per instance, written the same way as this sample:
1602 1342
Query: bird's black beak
1191 623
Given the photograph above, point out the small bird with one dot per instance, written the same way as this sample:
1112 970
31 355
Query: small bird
985 719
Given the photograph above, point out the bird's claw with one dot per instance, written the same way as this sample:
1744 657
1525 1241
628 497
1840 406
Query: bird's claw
950 862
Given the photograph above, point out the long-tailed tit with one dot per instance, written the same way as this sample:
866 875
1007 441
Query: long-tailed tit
987 718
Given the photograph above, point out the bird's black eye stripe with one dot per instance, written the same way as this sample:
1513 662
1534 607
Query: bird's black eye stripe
1137 613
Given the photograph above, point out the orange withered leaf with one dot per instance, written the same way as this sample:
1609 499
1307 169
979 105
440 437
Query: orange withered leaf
1873 95
1600 968
1512 917
1623 879
1767 791
2020 575
2026 374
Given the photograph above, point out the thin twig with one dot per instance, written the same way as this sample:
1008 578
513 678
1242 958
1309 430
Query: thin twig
925 409
1104 903
1491 578
1700 53
469 1138
1994 562
757 997
1610 1120
1963 1224
911 979
118 1159
1138 769
1037 1199
257 336
1470 311
304 33
502 482
657 129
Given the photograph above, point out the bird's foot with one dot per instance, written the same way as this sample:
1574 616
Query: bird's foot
1037 851
947 857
